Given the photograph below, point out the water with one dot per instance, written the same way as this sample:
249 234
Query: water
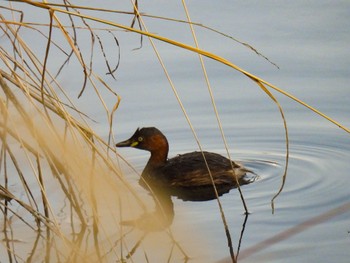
309 44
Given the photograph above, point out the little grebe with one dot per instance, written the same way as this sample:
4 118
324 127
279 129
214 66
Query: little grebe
185 176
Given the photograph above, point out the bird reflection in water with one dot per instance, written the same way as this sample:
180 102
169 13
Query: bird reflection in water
158 220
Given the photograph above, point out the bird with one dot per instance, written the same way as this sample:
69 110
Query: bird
185 176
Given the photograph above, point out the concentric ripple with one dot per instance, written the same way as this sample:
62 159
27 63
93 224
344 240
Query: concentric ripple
314 178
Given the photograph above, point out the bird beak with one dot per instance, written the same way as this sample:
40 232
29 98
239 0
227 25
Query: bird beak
127 143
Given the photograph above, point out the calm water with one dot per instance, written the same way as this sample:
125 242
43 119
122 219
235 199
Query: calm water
309 42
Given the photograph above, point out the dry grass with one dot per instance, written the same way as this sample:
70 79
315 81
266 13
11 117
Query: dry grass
69 190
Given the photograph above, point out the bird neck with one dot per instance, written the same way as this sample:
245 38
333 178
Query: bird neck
150 172
159 151
158 158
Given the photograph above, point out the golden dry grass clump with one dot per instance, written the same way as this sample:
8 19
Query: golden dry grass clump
62 193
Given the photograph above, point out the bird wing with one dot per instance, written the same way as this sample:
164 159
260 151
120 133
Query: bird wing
190 169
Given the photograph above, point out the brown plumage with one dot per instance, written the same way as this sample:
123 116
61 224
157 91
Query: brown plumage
185 176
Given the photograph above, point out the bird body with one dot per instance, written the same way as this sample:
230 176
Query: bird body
188 176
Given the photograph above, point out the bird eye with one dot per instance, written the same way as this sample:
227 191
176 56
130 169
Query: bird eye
140 139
